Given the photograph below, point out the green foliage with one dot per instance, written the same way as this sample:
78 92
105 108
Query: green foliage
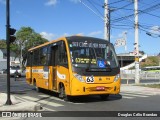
26 38
152 85
3 44
151 61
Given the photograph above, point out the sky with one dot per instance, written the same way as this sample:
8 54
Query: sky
56 18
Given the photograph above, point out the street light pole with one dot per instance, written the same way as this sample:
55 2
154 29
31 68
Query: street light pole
8 102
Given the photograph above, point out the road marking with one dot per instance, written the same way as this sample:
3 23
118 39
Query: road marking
127 97
44 108
21 99
43 101
131 94
127 94
21 90
76 103
138 93
58 99
48 109
30 98
51 97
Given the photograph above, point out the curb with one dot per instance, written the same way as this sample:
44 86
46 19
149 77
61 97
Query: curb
17 105
22 106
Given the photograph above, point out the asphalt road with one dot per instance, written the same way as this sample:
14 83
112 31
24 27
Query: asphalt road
84 106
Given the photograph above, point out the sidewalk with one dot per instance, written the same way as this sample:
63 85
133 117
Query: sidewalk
17 105
134 88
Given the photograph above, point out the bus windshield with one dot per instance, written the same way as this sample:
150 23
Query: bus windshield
95 55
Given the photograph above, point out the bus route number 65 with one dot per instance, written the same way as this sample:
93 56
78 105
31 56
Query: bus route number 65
90 79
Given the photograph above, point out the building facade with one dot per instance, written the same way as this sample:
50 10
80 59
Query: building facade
3 58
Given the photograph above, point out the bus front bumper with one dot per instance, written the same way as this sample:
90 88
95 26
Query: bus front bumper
97 89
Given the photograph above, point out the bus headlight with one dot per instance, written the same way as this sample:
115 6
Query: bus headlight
116 77
79 77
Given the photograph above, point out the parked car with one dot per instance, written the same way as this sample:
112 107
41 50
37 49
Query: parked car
3 71
15 70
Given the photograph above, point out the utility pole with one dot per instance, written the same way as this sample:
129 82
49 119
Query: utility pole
8 102
106 21
136 44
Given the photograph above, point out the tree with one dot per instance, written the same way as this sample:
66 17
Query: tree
2 44
26 38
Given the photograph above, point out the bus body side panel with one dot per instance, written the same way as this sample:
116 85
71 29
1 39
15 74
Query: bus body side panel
50 78
63 77
58 75
28 75
39 77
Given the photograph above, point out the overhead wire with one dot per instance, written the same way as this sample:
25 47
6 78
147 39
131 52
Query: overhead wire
125 22
99 15
95 7
152 8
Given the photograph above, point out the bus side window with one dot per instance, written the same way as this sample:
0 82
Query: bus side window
63 60
29 58
43 56
35 57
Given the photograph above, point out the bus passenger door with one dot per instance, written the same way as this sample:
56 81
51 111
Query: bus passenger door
54 62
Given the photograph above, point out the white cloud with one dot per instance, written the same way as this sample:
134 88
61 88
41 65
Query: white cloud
51 2
95 33
155 30
48 36
122 34
54 2
65 34
68 34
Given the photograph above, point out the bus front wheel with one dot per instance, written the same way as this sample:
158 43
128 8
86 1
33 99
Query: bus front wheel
62 93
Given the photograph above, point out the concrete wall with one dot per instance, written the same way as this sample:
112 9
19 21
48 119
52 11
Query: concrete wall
3 64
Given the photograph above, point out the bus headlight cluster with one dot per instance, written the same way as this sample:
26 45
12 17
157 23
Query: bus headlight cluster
116 77
79 77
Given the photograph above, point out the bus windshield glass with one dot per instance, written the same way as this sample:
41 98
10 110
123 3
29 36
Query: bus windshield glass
93 55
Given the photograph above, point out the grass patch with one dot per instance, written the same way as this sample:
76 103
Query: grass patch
152 85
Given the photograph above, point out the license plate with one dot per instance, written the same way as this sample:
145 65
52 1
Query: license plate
101 88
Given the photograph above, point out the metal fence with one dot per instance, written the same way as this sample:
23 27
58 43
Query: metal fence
142 75
145 77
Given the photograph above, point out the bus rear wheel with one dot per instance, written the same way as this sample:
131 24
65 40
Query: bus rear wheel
62 93
104 97
36 88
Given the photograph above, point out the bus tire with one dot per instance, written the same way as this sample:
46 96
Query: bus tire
36 88
104 97
62 93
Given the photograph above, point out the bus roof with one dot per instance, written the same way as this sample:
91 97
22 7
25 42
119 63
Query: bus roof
68 39
47 43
